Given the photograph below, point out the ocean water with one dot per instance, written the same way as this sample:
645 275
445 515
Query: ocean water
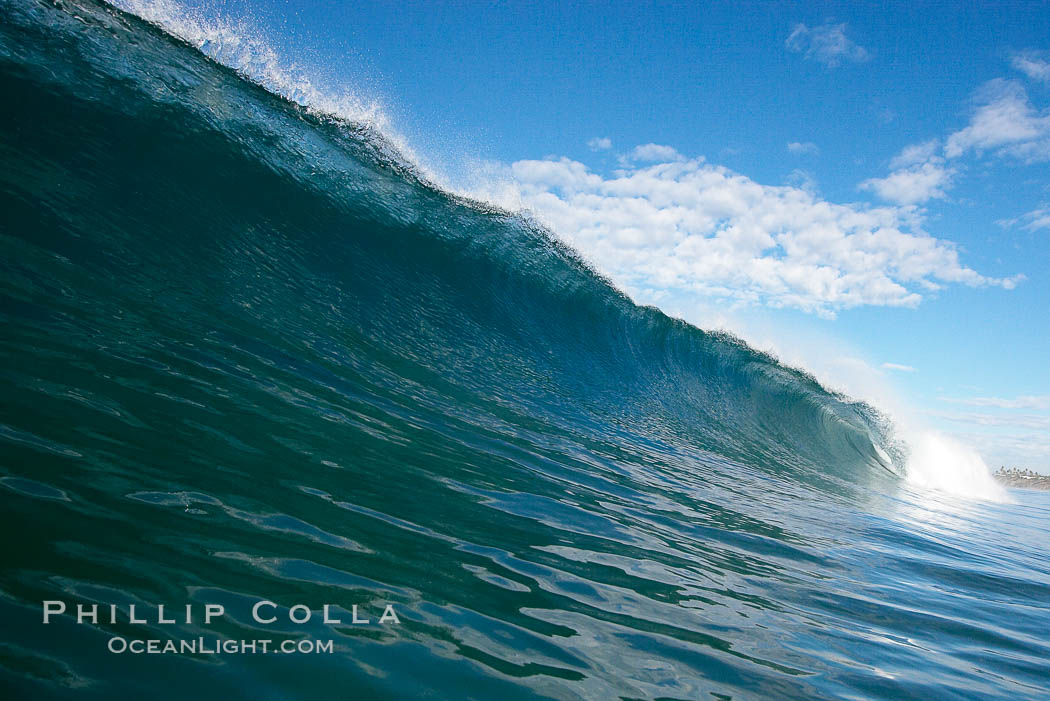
250 353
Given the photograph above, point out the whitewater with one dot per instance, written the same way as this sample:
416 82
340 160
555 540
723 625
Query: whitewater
253 350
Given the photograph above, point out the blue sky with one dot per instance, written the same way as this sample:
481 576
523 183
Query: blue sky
863 189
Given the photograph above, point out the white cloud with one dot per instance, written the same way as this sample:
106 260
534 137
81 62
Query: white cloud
913 185
1035 151
1037 219
1032 221
915 154
1026 402
803 148
653 152
803 180
1033 64
686 226
1005 122
827 43
898 367
600 143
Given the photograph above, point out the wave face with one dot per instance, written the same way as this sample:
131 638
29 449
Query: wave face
250 353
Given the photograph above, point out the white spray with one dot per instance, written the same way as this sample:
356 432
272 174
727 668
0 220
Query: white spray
938 462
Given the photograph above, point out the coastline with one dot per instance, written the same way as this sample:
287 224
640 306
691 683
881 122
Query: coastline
1021 479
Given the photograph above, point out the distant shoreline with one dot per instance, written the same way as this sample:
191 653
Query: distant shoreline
1023 479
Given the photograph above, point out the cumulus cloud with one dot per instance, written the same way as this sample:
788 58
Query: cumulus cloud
912 185
600 143
915 154
653 152
803 148
1034 64
686 226
827 44
1005 122
898 367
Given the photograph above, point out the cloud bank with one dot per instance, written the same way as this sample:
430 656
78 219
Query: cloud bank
667 223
